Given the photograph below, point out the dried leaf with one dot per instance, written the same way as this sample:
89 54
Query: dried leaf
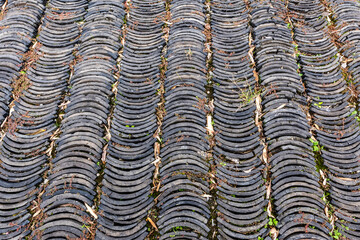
103 156
274 233
211 105
234 160
158 186
322 174
248 171
268 191
269 209
207 196
209 126
282 106
327 211
265 155
38 131
251 55
37 213
156 149
152 223
91 211
346 179
256 75
250 39
258 102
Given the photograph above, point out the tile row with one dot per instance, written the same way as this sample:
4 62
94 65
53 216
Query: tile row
129 169
184 191
295 189
24 148
73 178
237 153
18 27
337 129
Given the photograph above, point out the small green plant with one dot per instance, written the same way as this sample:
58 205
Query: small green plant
85 226
248 95
222 164
357 115
272 223
289 26
316 146
325 196
318 104
177 228
260 238
336 234
189 53
343 226
132 126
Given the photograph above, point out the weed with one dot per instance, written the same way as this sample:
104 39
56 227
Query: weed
356 114
78 58
175 229
272 223
85 226
336 234
189 53
201 104
248 95
12 125
318 104
343 226
315 145
20 84
354 91
325 197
